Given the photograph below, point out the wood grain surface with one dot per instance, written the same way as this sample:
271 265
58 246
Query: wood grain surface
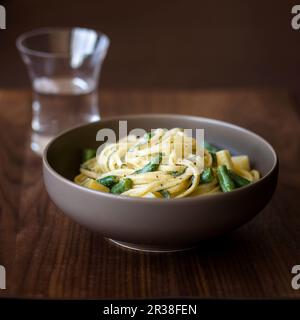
48 255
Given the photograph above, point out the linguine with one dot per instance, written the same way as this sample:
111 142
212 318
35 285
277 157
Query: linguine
164 164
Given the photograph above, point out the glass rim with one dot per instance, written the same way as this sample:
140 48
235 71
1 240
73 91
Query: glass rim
48 30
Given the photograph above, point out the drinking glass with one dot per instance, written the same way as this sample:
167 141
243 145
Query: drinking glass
64 66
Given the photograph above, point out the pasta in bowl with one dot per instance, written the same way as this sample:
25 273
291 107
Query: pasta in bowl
140 214
164 164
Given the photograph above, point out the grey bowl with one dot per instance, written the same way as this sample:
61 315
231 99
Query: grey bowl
159 224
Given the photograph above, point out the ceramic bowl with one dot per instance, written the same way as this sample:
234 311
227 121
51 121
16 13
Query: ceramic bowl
159 224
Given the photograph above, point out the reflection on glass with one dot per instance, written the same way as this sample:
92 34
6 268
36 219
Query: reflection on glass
64 67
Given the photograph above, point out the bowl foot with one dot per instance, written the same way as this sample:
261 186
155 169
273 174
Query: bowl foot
149 248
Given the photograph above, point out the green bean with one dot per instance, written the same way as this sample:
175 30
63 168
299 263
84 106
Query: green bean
214 159
109 181
165 194
210 147
238 180
88 154
226 183
207 176
148 136
122 186
152 165
212 150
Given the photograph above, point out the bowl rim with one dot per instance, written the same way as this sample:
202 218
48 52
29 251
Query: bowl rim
204 197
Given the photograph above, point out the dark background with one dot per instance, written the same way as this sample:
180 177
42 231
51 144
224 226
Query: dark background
170 44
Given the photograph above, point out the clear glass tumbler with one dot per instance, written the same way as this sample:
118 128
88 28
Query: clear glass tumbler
64 66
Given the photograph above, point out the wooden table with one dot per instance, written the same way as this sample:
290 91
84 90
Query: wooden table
48 255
